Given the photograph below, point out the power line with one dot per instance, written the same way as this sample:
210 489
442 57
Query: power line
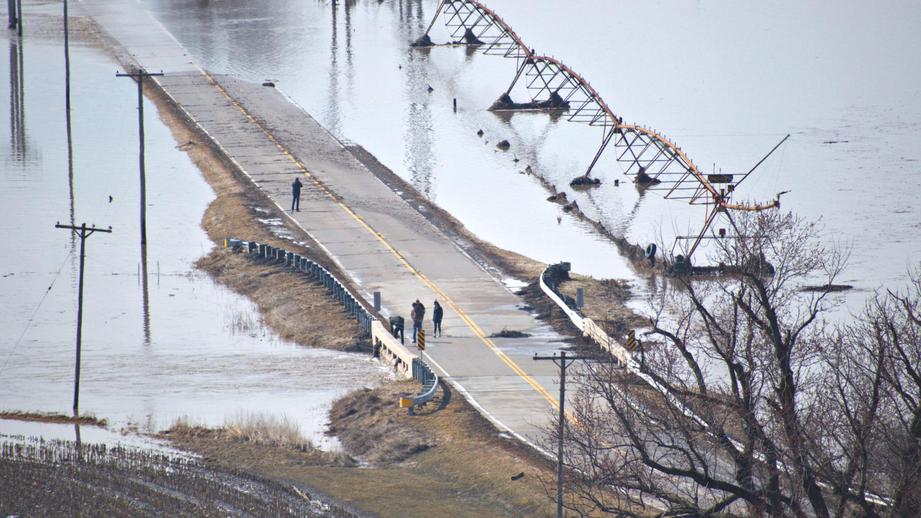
34 313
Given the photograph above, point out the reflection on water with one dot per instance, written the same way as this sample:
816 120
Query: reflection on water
17 101
153 352
331 119
418 156
386 106
145 293
726 81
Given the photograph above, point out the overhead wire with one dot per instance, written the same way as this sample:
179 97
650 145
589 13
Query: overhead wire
34 313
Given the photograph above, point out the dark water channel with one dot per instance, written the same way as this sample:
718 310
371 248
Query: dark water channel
195 350
726 80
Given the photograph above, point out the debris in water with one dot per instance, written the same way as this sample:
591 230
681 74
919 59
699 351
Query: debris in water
828 288
570 207
424 41
559 197
505 103
470 38
584 181
643 179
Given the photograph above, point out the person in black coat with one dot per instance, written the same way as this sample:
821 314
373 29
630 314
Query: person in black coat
437 314
296 195
417 314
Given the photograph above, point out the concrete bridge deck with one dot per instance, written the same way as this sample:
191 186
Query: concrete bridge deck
381 242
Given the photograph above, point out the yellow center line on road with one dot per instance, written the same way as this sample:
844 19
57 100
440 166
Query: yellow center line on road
432 285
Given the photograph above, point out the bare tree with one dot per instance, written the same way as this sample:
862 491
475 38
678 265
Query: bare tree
725 421
872 451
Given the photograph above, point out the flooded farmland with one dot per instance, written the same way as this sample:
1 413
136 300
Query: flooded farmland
726 81
194 350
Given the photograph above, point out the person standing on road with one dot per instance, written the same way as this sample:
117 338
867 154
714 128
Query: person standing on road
418 314
437 314
296 195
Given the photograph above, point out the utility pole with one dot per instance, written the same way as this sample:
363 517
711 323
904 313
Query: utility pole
139 76
82 232
66 65
562 361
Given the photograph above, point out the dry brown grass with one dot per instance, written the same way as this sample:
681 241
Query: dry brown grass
44 417
445 461
267 429
371 427
275 433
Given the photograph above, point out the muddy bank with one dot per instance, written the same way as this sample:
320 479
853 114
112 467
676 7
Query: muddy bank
445 461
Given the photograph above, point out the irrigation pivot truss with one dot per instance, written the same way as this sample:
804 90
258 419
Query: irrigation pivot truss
653 161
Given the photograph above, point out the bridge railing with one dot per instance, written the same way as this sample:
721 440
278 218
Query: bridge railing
386 346
429 380
390 350
588 327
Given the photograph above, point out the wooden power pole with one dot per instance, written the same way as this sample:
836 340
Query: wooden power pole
562 361
139 76
82 232
67 64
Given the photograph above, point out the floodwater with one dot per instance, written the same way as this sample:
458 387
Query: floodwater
189 349
725 80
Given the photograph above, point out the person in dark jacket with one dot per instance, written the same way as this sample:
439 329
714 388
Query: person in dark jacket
437 315
296 195
418 314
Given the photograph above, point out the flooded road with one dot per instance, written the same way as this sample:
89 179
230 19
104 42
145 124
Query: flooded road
195 350
725 80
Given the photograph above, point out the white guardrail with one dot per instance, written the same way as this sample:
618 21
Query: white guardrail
589 328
